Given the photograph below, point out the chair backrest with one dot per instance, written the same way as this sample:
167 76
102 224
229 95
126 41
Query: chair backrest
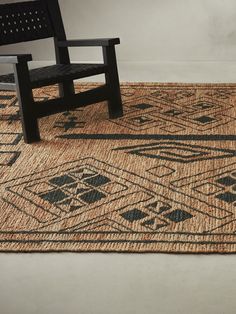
31 20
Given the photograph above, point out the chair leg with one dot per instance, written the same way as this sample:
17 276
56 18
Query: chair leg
66 89
26 104
112 80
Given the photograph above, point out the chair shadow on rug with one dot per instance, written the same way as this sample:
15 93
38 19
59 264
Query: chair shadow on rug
27 21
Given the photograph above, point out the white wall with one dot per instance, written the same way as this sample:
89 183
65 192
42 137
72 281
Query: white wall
151 31
158 30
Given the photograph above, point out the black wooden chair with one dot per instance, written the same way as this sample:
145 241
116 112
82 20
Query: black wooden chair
26 21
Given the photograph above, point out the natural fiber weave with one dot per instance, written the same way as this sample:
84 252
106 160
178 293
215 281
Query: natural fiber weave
160 179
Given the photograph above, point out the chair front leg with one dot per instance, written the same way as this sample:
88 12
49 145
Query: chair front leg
113 84
26 103
66 89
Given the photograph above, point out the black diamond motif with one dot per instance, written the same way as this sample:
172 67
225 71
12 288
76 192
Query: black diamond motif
178 215
152 205
54 196
134 215
74 208
227 197
173 112
164 209
92 196
62 180
141 120
205 119
97 181
227 181
203 105
149 222
142 106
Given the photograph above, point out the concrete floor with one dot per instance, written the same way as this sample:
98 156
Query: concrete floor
117 284
123 283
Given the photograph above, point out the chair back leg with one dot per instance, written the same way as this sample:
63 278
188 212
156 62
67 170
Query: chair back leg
112 80
26 103
66 89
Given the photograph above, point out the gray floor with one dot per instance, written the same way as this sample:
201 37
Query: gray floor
125 284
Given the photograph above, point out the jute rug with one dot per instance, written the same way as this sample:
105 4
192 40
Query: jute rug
160 179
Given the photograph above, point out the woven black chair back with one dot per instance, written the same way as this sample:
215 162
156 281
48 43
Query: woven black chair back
24 21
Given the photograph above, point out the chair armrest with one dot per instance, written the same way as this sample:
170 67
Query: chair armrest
102 42
13 59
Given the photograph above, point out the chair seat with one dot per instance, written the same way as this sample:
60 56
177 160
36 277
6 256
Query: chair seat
58 73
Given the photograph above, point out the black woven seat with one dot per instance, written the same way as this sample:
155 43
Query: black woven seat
58 73
39 19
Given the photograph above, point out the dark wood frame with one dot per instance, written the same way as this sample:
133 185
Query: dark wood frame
32 110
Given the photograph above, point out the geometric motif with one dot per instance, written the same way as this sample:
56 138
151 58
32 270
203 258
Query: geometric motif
175 113
8 148
70 189
154 215
216 188
9 109
151 214
173 95
74 197
8 158
177 151
68 121
138 115
161 171
150 181
201 114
